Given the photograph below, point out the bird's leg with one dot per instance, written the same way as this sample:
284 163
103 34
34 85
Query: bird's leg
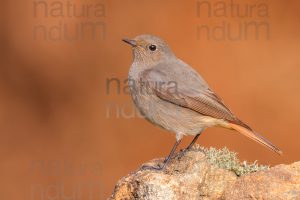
193 141
182 152
167 160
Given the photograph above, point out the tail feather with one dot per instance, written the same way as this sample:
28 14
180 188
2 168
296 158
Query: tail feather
255 136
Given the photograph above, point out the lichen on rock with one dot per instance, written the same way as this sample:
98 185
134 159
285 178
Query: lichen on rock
228 160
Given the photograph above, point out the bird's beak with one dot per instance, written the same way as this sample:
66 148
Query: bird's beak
131 42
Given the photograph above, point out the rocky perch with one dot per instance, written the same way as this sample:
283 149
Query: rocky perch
210 174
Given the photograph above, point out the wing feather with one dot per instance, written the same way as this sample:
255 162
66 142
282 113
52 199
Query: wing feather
192 93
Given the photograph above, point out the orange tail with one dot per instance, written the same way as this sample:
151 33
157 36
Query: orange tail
256 137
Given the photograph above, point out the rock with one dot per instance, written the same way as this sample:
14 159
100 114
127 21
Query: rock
210 174
280 182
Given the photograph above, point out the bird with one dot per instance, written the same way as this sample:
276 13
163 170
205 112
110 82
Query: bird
172 95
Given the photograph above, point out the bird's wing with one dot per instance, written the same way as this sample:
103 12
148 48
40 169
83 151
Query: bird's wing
184 87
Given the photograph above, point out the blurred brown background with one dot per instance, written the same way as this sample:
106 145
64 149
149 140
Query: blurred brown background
61 135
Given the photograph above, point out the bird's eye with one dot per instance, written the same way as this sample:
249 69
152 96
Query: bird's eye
152 47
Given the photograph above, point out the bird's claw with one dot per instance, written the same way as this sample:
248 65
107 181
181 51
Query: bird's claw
155 168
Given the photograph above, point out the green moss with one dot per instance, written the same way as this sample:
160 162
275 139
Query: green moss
223 158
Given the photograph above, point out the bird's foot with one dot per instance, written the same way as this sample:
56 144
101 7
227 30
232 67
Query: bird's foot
181 153
159 167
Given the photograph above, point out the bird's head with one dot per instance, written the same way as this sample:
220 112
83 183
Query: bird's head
149 49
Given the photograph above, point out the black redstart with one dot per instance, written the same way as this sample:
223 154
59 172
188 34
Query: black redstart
171 94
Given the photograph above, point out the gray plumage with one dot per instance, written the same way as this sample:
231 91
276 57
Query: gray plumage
172 95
